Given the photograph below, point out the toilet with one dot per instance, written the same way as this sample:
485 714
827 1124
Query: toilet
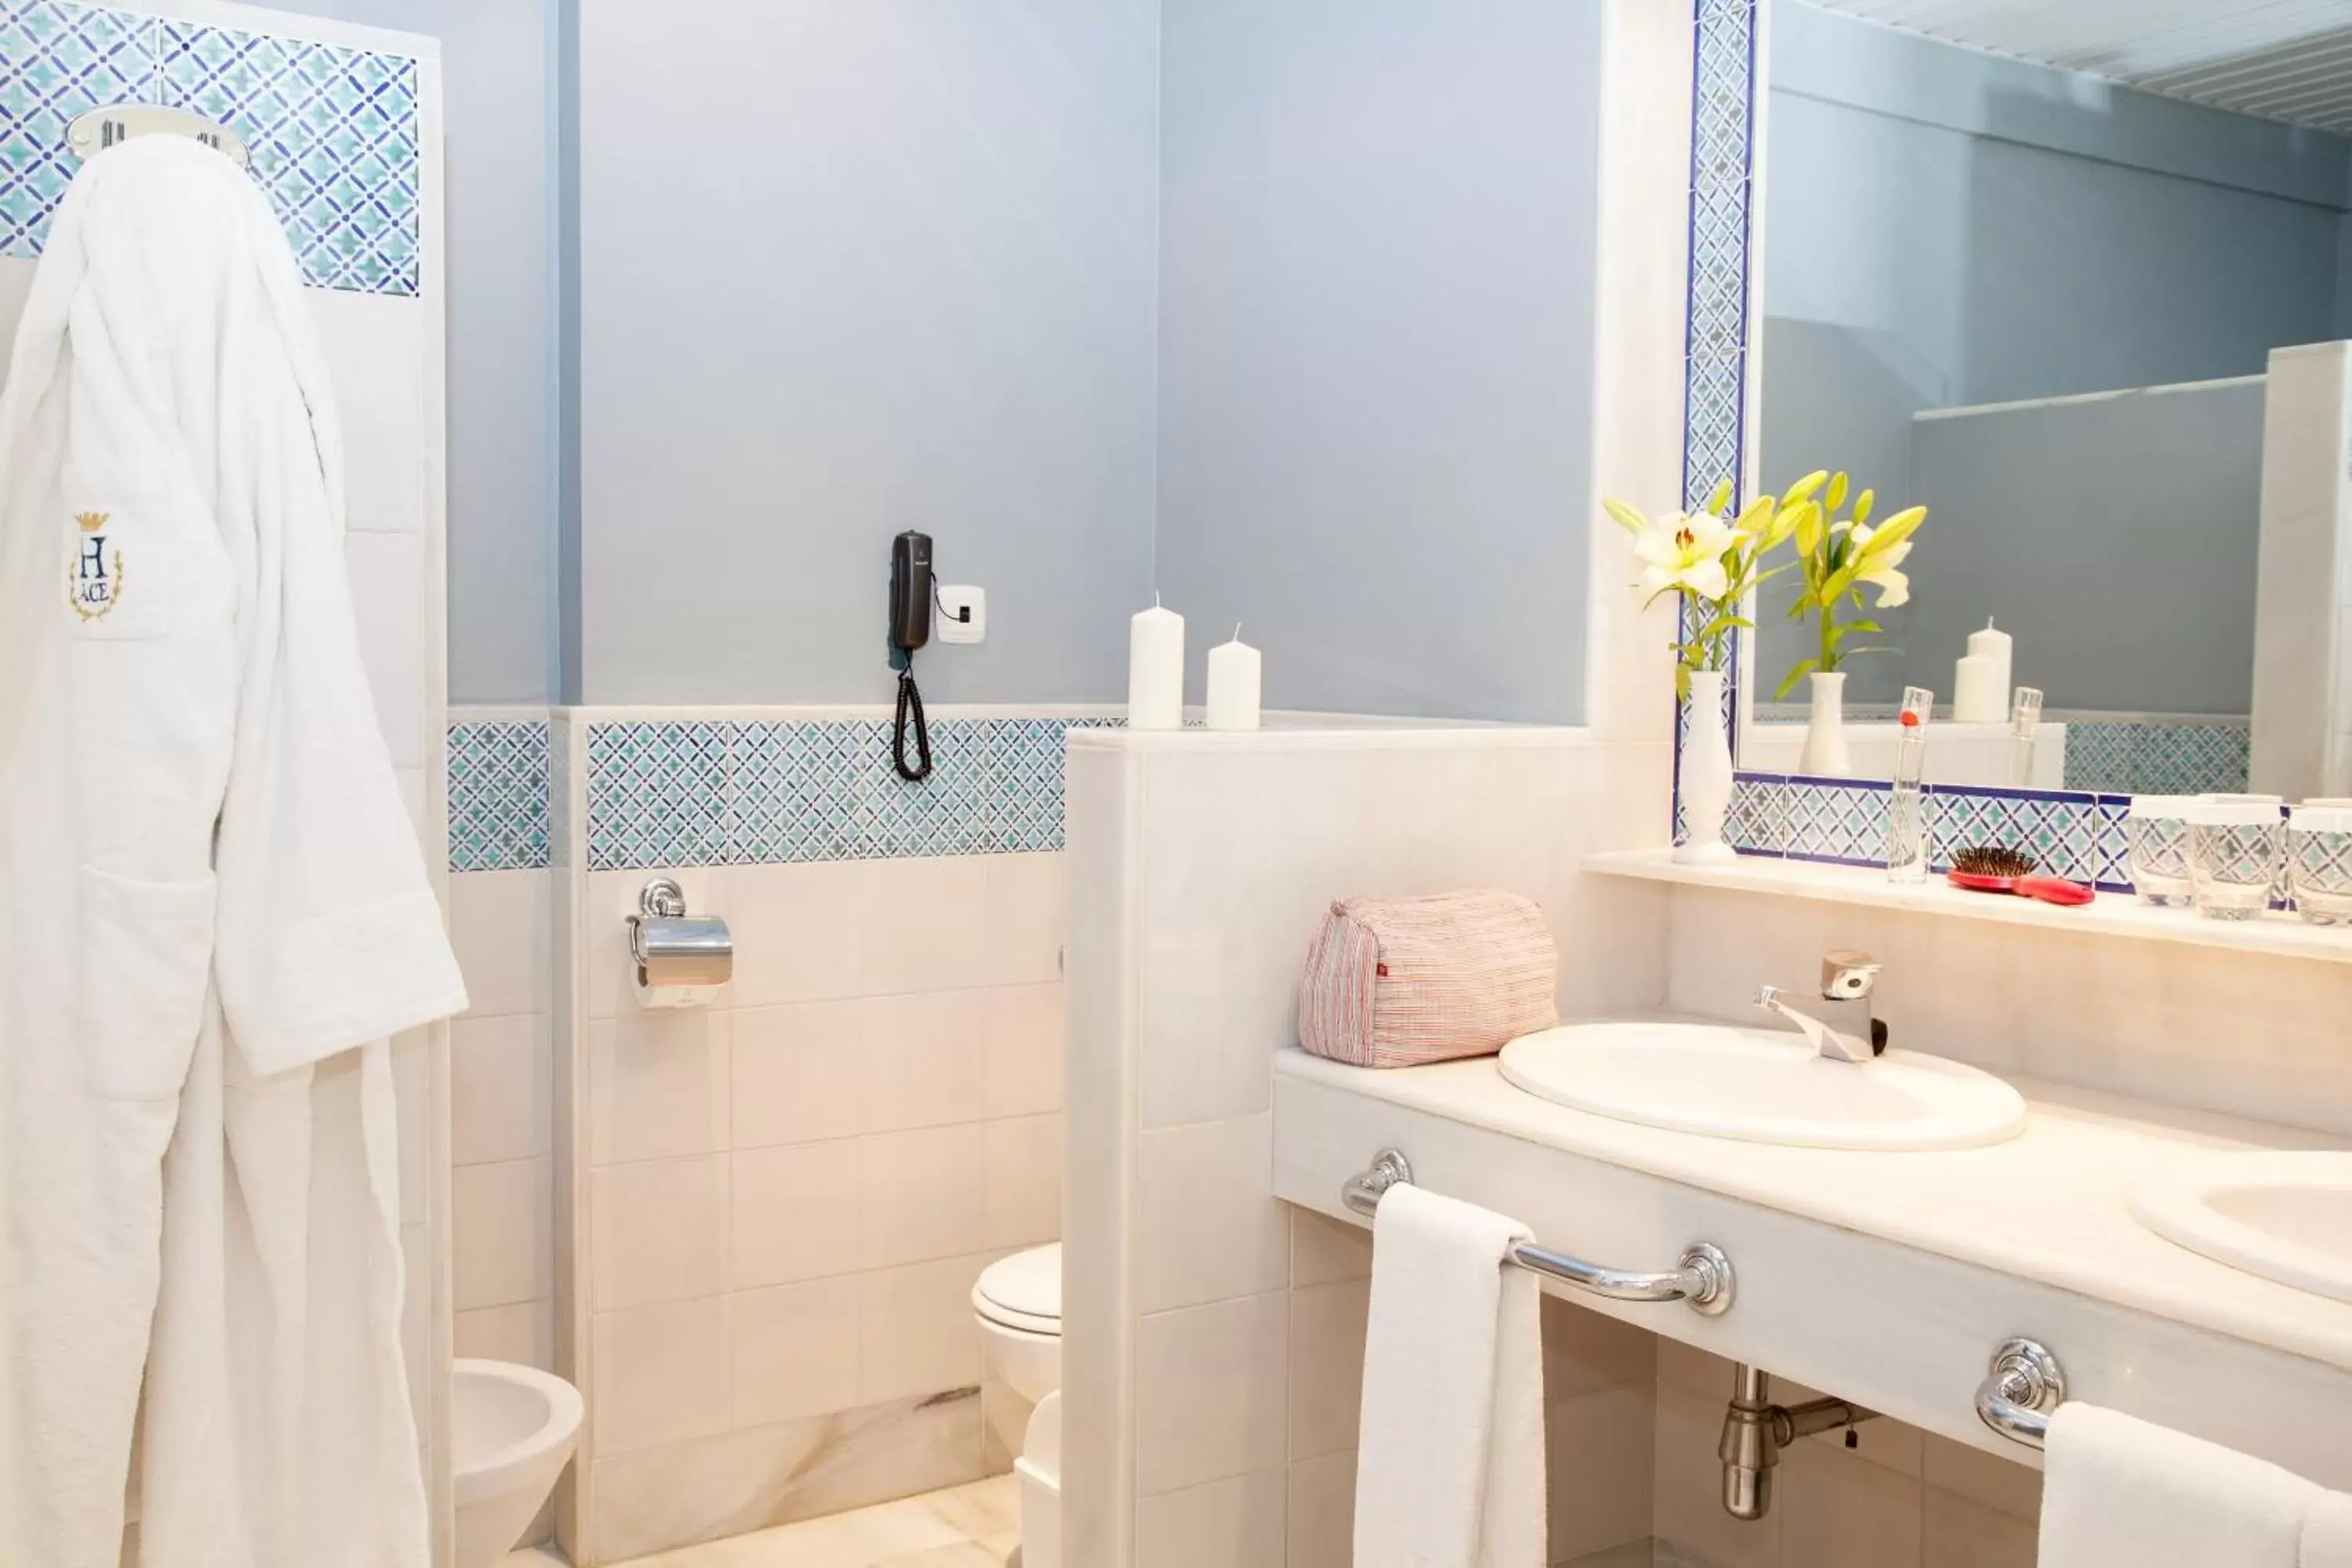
1018 1304
512 1429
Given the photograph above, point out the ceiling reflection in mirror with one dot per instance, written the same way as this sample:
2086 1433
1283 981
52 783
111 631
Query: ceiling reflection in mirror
2060 309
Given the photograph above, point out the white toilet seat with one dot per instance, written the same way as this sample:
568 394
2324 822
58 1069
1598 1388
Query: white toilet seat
1023 1292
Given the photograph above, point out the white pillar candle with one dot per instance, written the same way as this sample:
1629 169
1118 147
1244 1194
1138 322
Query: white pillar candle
1234 671
1980 680
1155 671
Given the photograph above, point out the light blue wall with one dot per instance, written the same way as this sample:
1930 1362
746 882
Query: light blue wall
1944 228
845 267
2114 538
497 80
1378 222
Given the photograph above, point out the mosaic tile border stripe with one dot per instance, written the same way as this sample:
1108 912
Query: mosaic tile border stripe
1842 821
332 131
498 794
1715 329
2165 757
664 793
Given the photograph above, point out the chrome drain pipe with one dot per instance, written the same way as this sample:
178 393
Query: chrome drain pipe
1755 1430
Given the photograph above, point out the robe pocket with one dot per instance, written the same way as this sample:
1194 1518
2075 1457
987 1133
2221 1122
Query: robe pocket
146 961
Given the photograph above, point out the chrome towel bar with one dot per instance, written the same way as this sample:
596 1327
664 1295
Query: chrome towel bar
2021 1389
1701 1277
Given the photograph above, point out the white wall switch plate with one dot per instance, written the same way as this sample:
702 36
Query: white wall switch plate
963 614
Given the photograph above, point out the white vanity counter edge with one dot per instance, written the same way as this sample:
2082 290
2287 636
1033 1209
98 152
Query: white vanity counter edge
1887 1277
2111 914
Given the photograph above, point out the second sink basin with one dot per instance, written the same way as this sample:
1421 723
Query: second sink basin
2286 1215
1762 1086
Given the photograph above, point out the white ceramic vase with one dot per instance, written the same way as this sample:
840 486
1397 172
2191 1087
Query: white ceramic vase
1707 773
1824 755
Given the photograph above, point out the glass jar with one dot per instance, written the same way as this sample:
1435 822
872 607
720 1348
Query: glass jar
2319 861
2159 833
2237 852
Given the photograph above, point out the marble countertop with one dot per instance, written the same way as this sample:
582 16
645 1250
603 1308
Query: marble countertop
2049 1205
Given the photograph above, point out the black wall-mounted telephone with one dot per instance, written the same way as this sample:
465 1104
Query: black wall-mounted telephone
910 628
910 591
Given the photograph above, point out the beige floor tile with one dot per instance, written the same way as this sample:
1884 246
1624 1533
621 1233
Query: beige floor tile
982 1510
867 1538
967 1554
974 1526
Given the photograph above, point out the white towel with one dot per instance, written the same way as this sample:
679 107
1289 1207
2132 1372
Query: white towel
2122 1493
216 909
1450 1464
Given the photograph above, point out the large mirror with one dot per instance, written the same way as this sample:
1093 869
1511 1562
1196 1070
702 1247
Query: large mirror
2073 277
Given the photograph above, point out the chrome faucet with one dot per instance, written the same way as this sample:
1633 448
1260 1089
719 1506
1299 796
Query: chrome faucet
1848 1032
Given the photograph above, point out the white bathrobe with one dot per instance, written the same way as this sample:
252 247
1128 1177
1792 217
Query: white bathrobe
215 912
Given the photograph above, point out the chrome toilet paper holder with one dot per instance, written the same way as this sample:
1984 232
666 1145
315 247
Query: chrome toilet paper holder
673 948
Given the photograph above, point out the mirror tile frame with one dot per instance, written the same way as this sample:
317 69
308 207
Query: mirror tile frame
2077 834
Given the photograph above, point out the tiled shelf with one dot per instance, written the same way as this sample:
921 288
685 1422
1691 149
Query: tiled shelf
2112 914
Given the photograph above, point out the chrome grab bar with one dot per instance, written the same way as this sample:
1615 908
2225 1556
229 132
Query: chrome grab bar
2021 1389
1702 1276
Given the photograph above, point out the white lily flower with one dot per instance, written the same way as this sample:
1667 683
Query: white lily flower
1685 552
1893 587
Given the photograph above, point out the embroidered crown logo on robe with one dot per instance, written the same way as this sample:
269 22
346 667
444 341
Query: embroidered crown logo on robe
94 585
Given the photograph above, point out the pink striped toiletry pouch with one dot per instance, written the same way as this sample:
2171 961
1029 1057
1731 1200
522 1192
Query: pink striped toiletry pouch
1393 982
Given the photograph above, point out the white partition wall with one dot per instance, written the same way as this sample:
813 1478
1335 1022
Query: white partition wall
2302 659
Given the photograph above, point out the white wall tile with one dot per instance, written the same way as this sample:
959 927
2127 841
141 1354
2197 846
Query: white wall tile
1322 1512
798 930
1021 1179
503 1237
922 1195
922 1059
1232 1523
1585 1353
523 1332
2006 1488
1027 900
793 1351
799 1073
660 1231
499 925
922 925
1327 1366
388 599
1208 1227
381 407
919 1336
709 1489
501 1088
1958 1533
1601 1446
795 1213
1210 1391
1023 1028
411 1089
1842 1513
658 1084
1324 1250
661 1373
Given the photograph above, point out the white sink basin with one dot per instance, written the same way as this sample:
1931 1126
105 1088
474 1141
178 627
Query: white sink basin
2285 1217
1763 1086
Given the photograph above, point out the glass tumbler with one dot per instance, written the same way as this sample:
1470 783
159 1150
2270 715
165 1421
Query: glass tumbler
2237 849
2319 861
2158 831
